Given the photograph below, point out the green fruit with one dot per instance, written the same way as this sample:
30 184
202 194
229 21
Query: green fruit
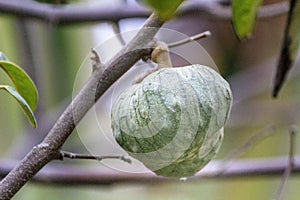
173 120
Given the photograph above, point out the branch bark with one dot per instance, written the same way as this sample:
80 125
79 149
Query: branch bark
60 15
98 83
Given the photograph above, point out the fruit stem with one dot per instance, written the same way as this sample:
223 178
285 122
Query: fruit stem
161 55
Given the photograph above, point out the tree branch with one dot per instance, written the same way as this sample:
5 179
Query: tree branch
68 14
70 175
98 83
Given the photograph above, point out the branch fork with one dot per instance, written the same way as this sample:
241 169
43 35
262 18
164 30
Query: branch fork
98 83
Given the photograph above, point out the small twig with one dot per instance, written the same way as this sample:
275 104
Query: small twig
190 39
96 62
291 163
96 57
116 29
70 155
268 131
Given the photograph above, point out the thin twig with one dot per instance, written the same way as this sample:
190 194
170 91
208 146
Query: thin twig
190 39
95 57
291 163
96 62
117 30
268 131
227 161
70 155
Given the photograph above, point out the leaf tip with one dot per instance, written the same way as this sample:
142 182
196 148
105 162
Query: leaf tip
275 92
279 80
34 123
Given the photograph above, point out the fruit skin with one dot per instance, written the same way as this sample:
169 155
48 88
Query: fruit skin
173 120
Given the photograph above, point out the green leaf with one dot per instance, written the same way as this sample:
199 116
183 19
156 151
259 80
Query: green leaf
164 8
25 93
22 82
26 108
290 45
244 16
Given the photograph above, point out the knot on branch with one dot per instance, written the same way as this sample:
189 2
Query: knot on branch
46 150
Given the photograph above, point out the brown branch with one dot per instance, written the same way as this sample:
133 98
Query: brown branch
98 83
68 14
70 175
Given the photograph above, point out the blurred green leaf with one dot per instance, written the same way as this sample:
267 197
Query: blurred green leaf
244 16
290 45
164 9
22 82
26 108
25 93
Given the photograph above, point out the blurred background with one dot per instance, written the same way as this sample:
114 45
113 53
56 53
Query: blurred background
57 59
